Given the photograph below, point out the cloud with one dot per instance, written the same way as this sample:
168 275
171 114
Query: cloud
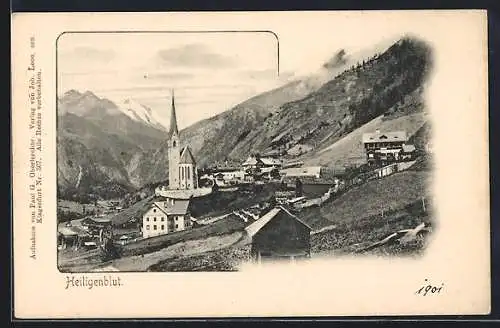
93 54
194 55
168 76
271 73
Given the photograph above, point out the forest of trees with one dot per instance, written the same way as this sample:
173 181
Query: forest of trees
408 63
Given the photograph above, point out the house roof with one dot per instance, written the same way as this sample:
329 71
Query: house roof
267 169
252 161
67 232
187 156
301 171
255 227
270 161
180 207
392 136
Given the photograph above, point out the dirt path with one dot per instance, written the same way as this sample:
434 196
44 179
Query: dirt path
190 247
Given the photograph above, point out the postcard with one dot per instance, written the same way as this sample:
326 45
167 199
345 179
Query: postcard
243 164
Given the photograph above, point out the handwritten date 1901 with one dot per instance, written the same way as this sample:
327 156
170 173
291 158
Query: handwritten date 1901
429 289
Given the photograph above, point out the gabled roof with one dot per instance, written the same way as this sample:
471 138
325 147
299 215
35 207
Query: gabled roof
187 156
180 207
266 218
252 161
270 161
384 136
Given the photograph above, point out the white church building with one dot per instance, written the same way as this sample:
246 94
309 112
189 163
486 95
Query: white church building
172 212
182 169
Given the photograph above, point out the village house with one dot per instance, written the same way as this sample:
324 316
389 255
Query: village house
226 177
253 162
386 146
270 173
75 236
167 216
277 235
67 237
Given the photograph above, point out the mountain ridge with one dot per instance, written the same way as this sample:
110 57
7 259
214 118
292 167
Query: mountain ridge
298 119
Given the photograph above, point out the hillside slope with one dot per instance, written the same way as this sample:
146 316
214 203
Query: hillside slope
389 83
101 150
232 127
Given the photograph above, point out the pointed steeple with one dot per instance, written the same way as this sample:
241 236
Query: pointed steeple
173 117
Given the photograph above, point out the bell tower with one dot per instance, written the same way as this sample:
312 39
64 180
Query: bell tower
173 149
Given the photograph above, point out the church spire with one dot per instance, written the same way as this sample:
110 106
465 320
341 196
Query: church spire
173 117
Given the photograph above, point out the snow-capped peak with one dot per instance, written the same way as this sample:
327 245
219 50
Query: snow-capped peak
139 112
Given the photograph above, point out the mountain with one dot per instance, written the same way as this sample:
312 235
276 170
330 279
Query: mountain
107 147
140 113
100 149
388 84
234 128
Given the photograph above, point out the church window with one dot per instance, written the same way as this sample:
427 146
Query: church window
182 172
187 172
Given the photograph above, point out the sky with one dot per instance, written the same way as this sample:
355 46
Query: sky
210 72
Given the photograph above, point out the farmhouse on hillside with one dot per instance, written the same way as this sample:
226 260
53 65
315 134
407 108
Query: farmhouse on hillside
279 234
386 147
167 216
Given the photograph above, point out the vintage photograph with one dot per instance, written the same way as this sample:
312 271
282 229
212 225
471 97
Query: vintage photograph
287 164
196 151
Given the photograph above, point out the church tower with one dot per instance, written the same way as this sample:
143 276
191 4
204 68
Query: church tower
174 153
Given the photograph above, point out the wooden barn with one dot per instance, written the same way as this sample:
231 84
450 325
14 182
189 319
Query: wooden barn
279 235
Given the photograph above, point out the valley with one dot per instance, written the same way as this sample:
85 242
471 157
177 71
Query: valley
113 155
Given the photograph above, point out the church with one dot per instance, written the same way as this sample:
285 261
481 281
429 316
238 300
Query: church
172 212
182 170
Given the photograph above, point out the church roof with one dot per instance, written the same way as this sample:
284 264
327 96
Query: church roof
187 156
173 118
